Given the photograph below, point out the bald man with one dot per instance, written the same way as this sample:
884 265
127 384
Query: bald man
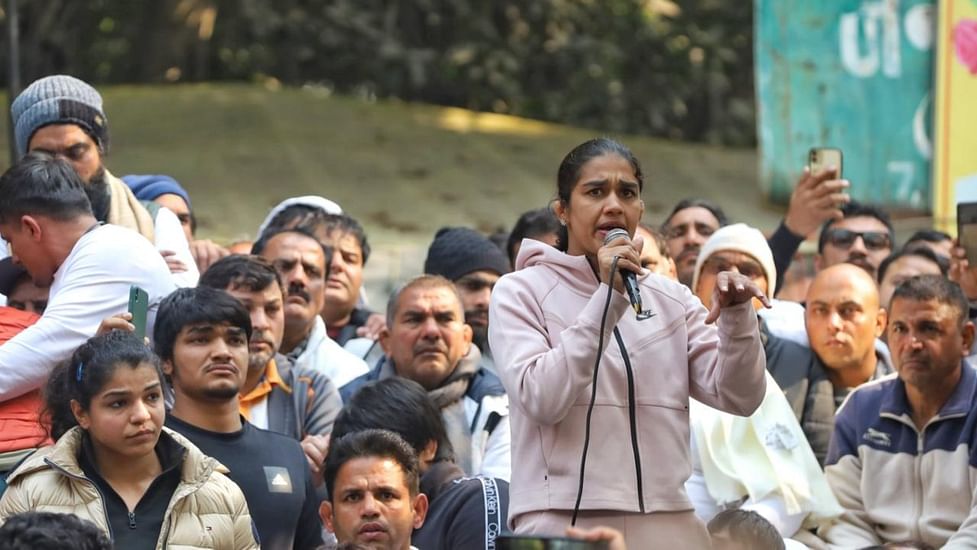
843 319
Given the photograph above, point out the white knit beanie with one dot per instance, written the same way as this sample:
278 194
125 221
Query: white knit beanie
739 237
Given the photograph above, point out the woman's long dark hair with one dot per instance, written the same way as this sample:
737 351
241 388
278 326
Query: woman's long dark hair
573 163
86 373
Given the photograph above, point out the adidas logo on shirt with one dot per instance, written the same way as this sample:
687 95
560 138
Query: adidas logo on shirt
278 479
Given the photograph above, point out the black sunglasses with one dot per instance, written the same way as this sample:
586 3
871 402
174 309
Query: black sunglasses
844 238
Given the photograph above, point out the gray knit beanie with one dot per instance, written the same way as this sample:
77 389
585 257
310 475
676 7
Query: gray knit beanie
458 251
59 99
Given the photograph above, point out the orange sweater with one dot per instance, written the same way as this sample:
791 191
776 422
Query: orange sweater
20 426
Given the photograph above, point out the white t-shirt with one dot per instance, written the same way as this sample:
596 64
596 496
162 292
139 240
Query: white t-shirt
168 235
258 413
92 284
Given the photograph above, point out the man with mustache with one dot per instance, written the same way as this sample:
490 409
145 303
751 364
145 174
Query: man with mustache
816 198
278 396
426 340
902 455
474 264
374 491
863 237
202 335
464 512
300 259
686 229
843 319
63 116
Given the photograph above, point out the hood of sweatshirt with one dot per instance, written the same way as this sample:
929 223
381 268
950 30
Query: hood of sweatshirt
573 272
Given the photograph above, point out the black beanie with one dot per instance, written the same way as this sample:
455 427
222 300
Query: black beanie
458 251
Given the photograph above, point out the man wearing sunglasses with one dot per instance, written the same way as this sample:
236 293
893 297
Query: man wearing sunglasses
863 236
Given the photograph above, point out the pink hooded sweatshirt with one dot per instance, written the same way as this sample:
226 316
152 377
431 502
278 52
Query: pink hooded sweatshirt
545 324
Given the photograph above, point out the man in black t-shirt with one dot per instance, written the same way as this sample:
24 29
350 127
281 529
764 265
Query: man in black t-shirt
202 335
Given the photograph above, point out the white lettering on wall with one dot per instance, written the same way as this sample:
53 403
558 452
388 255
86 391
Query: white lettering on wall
869 39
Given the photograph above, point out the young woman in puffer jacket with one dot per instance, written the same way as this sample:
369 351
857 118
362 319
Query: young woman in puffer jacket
545 332
115 464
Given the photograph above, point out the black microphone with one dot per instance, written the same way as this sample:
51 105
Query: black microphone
629 278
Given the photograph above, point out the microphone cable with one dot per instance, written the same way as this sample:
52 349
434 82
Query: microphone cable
593 390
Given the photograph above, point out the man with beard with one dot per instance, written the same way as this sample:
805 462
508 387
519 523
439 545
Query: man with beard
202 338
686 229
63 116
426 340
816 198
863 237
473 263
278 396
300 259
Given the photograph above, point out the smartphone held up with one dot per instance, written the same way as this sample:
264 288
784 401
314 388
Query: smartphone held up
822 158
138 306
967 229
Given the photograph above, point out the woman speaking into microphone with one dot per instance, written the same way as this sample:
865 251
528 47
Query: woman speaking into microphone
615 453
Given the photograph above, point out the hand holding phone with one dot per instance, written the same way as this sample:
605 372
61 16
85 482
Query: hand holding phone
138 305
822 158
967 229
819 194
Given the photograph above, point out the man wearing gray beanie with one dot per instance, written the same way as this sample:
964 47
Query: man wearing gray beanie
473 263
63 116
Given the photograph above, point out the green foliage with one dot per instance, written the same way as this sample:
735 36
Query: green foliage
680 68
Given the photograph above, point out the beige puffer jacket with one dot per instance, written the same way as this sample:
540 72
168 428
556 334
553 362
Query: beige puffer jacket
207 510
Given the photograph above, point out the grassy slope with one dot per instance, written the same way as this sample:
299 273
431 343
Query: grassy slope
403 170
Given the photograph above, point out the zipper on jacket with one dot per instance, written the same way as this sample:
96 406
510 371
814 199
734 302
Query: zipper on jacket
105 510
632 420
132 520
917 460
918 500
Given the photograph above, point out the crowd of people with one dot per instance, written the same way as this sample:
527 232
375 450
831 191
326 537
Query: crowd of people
651 388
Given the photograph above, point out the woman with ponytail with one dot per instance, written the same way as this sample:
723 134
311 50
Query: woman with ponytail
587 371
115 464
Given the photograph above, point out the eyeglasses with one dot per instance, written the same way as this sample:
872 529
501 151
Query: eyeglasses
844 238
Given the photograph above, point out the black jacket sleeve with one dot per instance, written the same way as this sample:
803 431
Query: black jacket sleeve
784 244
